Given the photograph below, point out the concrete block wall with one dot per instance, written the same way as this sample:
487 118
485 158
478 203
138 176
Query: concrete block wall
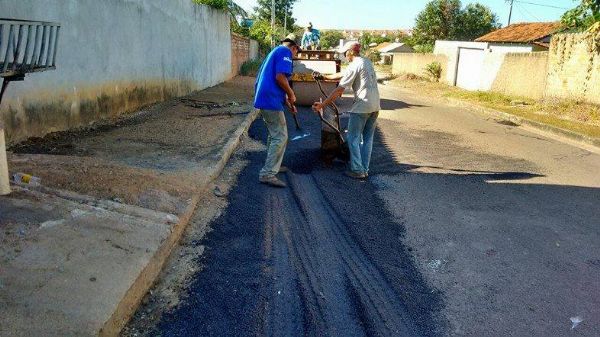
574 68
115 56
415 63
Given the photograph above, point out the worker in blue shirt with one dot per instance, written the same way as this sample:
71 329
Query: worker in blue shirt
311 40
272 90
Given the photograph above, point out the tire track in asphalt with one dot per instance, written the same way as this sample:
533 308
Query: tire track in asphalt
344 293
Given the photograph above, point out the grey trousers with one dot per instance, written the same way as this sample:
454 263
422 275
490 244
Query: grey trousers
276 141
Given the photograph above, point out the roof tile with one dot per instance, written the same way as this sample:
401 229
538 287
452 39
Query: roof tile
522 32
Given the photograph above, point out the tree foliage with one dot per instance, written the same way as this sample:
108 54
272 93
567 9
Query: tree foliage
365 40
218 4
261 32
583 16
331 39
263 11
474 21
447 20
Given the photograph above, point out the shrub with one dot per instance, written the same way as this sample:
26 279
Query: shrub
250 68
434 71
374 56
218 4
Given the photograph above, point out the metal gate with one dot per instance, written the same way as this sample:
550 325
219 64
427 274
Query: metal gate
27 46
470 65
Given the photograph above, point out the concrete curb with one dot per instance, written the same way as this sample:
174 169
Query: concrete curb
130 302
571 135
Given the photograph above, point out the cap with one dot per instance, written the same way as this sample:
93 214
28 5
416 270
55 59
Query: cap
350 45
291 38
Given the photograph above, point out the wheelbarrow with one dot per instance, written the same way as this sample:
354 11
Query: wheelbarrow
333 144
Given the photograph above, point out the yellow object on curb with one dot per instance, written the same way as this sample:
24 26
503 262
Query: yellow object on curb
4 182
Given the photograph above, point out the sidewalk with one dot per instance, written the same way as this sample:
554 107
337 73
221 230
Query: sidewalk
80 251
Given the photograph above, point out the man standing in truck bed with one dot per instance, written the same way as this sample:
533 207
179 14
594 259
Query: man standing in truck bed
272 90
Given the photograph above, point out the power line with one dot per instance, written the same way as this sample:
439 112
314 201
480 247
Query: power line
541 5
524 12
520 7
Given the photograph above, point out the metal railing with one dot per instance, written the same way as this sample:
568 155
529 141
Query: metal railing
27 46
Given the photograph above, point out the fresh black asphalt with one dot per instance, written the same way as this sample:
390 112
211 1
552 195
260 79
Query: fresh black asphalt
322 257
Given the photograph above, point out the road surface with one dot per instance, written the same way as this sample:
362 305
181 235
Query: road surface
466 227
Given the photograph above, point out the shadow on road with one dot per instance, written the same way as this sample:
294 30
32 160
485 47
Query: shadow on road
391 104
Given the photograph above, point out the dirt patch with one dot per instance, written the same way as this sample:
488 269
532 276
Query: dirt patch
154 158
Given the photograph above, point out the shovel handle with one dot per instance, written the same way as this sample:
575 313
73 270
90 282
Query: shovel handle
296 121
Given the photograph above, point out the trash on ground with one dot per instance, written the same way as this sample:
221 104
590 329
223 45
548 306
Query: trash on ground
575 320
219 192
52 223
24 178
300 137
172 218
434 264
77 213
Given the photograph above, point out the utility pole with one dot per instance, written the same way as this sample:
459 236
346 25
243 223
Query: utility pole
272 23
510 13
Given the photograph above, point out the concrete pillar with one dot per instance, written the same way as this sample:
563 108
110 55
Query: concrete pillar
4 182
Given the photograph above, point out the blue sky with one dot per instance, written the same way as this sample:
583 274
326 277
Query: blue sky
394 14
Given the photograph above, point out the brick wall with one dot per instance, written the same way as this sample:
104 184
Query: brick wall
574 68
240 52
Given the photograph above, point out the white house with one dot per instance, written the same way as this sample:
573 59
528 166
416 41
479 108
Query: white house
466 59
387 50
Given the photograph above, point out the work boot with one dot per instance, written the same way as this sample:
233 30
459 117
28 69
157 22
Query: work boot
272 181
356 175
283 169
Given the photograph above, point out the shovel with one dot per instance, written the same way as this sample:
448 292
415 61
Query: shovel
300 134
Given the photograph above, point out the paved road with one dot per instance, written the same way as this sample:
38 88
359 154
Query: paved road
466 227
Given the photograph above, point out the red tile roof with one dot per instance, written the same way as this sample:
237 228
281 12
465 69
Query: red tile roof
522 32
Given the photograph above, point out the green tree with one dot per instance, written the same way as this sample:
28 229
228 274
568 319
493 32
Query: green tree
446 20
436 22
382 39
474 21
234 10
261 32
263 11
583 16
365 40
331 39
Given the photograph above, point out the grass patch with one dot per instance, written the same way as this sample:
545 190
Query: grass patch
250 68
580 117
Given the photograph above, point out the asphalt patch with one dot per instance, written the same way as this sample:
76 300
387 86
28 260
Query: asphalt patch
256 250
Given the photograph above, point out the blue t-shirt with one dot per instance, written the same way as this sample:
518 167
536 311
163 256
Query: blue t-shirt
268 94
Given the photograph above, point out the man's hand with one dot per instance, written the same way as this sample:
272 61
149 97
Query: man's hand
291 106
290 101
318 107
318 76
291 98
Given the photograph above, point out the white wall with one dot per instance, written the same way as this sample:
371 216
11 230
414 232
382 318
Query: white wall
494 57
108 46
511 48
